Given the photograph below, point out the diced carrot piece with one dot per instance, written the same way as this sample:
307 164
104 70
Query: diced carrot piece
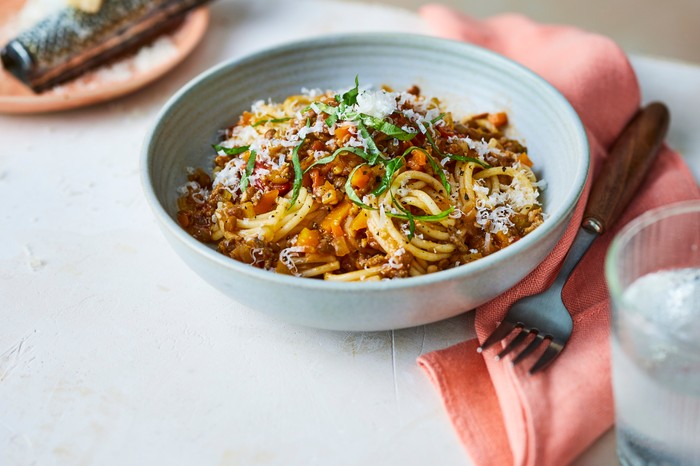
359 222
309 238
245 118
361 178
316 178
498 119
336 216
342 134
524 159
248 209
417 160
337 231
267 202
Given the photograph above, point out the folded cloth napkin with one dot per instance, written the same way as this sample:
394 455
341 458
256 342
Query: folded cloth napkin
501 414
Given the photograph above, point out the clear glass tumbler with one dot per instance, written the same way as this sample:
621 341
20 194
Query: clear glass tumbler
653 274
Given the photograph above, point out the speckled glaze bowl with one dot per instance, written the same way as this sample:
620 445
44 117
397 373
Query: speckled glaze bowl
469 79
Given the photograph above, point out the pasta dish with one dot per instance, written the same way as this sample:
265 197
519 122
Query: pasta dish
366 184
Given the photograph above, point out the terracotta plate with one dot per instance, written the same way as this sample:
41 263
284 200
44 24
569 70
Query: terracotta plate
102 84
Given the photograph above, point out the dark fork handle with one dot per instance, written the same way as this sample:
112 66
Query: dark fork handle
625 168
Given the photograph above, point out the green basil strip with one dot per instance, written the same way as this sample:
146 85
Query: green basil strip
372 148
298 174
390 169
350 97
437 118
270 120
230 150
460 158
436 167
407 215
330 121
387 128
439 171
249 167
355 150
352 195
324 108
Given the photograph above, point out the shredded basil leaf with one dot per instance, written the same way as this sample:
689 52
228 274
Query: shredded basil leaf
372 148
249 167
437 118
352 195
270 120
460 158
407 215
350 97
230 150
330 121
387 128
298 174
390 169
355 150
436 167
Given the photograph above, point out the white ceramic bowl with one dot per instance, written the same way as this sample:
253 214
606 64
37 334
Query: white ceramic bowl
468 78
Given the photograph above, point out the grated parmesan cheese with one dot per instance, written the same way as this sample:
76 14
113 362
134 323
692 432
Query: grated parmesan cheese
376 103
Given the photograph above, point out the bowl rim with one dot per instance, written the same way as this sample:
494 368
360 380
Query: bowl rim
457 273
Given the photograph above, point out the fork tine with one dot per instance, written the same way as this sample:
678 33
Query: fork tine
502 331
534 344
514 343
549 355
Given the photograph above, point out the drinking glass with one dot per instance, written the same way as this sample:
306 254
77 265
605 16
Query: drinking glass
653 274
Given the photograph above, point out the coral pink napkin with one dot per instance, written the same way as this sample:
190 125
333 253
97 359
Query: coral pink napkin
502 415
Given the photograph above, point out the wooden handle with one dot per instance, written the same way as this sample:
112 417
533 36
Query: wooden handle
624 170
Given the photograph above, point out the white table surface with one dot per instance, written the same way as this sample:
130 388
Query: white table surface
112 352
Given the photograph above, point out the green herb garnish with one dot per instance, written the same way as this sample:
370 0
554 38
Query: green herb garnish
270 120
352 195
372 148
390 169
249 167
355 150
298 174
460 158
350 97
230 150
386 128
437 118
436 167
407 215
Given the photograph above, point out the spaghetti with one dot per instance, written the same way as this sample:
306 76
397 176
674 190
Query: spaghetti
362 185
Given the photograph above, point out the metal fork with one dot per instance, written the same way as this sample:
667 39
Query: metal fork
544 315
